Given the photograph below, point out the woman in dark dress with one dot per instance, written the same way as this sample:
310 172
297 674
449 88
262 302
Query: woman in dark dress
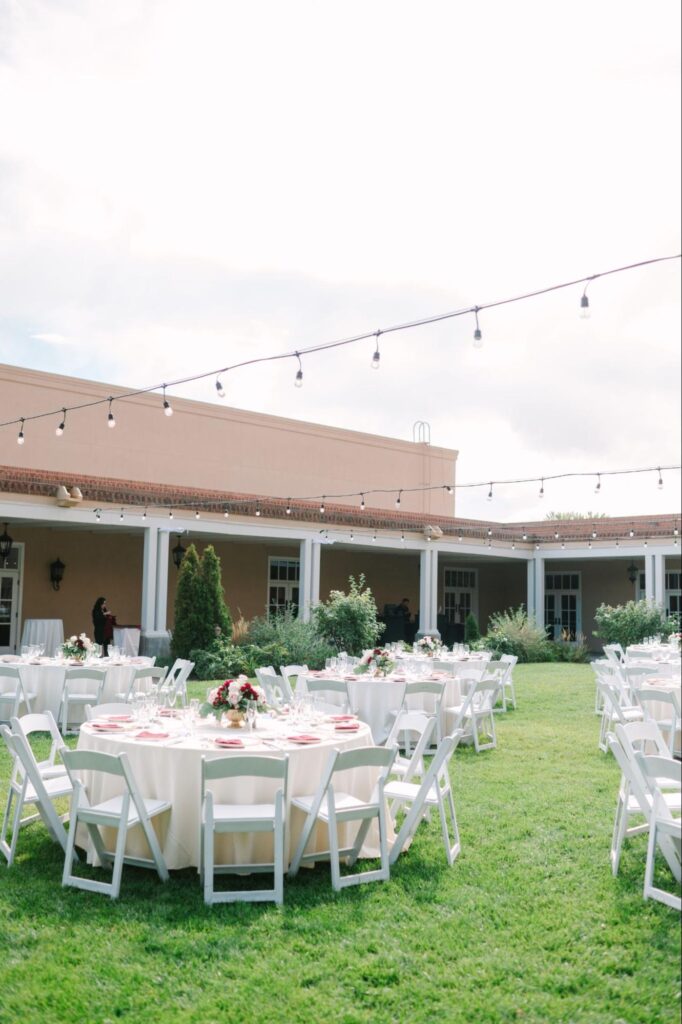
99 622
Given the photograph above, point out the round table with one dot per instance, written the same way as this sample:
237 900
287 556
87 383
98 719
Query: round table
45 678
49 633
170 769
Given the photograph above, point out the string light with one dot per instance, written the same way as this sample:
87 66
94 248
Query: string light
556 535
288 508
478 333
524 536
402 537
632 533
597 489
584 306
98 514
62 425
660 479
197 514
20 435
449 489
219 387
376 358
326 346
490 493
111 422
490 532
541 493
298 380
144 514
351 536
322 506
397 500
226 513
170 513
375 536
594 533
258 509
167 408
121 515
362 503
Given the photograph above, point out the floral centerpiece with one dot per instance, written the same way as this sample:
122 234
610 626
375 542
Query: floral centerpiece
77 647
377 660
428 645
233 698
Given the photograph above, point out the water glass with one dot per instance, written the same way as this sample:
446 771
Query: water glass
251 715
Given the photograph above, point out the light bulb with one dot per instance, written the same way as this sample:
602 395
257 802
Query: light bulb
490 494
197 515
226 514
20 435
322 507
460 538
449 489
298 383
362 503
597 488
660 481
170 514
402 538
376 360
219 388
111 422
478 333
397 500
541 492
288 508
60 429
584 307
257 510
167 409
524 537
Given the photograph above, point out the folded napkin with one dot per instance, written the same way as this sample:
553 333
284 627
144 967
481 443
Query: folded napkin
229 743
106 726
342 718
119 718
304 738
347 727
167 713
147 735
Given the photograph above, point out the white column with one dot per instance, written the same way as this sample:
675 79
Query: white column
659 580
649 576
305 559
428 590
148 614
530 589
163 539
539 589
315 574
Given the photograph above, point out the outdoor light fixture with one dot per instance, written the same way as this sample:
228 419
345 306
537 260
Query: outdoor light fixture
478 333
219 388
541 492
597 488
298 380
56 573
5 544
20 435
660 479
62 424
376 358
322 506
111 419
584 307
633 572
178 553
167 408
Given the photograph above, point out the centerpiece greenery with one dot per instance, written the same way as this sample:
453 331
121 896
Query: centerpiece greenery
77 647
234 695
377 660
429 645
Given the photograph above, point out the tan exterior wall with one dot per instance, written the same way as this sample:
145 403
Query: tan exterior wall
103 565
216 447
389 576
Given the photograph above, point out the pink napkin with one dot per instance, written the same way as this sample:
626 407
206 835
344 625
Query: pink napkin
119 718
146 735
342 718
232 743
106 726
347 727
304 738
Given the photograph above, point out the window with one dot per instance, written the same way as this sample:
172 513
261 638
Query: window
459 594
673 593
283 585
562 605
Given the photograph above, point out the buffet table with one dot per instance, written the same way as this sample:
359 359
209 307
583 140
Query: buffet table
169 768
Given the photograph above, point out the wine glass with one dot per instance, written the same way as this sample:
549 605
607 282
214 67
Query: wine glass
251 714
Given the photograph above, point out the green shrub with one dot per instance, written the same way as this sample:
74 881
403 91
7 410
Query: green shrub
630 623
574 653
513 632
300 640
220 660
471 631
200 610
348 622
211 576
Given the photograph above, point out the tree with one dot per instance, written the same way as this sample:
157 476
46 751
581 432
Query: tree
576 515
188 605
218 614
349 621
471 630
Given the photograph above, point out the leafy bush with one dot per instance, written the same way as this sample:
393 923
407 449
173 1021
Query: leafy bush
220 660
630 623
300 641
471 631
211 578
200 610
575 653
348 622
513 632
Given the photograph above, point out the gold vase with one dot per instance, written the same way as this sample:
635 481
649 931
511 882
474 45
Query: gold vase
236 719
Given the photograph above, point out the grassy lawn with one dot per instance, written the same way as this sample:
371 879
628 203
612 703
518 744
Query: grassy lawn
528 926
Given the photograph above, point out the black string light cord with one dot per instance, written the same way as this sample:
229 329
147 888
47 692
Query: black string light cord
324 347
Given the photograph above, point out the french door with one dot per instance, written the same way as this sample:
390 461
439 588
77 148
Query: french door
9 610
562 606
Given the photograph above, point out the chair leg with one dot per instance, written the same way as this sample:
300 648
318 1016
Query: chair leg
4 845
278 857
208 839
119 855
155 848
619 826
334 851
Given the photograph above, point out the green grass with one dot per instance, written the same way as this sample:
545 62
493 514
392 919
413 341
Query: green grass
529 925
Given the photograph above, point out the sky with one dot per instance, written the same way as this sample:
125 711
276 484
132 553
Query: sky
184 186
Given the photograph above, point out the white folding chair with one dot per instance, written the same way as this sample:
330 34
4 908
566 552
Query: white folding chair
615 711
81 686
321 688
507 682
289 672
434 790
615 654
420 693
144 680
647 695
174 684
102 710
12 693
272 686
27 787
409 724
218 818
665 831
476 712
43 722
333 806
119 812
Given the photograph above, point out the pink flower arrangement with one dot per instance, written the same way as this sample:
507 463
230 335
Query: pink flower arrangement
234 695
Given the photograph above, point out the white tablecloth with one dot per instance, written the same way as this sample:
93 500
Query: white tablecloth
48 632
127 640
47 680
173 772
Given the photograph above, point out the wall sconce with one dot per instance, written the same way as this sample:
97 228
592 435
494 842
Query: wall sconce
633 572
56 573
5 544
178 553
